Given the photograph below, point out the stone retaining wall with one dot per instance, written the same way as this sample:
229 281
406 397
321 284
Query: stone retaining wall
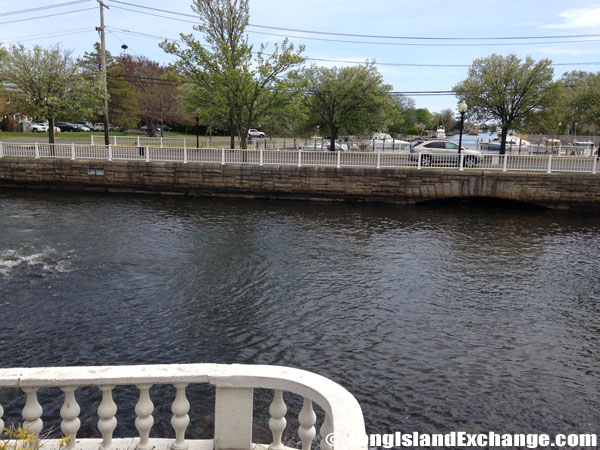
403 186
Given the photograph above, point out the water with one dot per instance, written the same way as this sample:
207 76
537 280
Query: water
437 318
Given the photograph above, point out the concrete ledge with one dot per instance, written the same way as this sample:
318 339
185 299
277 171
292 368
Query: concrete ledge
563 191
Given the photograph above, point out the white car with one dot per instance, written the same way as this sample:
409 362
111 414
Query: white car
35 127
443 152
255 133
38 127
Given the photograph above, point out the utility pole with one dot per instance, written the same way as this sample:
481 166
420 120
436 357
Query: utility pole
103 45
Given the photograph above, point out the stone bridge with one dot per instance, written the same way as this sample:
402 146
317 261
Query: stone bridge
560 191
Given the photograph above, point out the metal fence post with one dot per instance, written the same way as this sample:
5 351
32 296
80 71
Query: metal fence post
260 161
462 161
109 152
549 163
37 150
138 141
1 150
72 151
223 156
184 153
505 162
92 136
299 158
114 140
161 142
419 163
339 159
379 160
148 153
594 166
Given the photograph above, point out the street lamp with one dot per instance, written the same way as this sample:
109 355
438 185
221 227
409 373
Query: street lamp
462 108
316 135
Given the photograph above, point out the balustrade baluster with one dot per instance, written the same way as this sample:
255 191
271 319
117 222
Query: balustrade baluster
277 421
326 430
107 422
307 419
180 419
32 411
1 421
70 415
144 419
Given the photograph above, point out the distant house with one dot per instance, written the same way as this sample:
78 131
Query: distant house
9 113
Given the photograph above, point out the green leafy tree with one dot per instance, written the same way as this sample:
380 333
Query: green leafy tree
122 103
508 90
348 99
581 101
49 84
228 82
423 118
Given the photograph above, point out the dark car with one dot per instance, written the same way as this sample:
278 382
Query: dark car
68 126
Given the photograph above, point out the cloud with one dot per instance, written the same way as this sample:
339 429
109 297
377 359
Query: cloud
579 19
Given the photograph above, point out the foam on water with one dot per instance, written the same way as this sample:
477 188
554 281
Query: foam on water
27 261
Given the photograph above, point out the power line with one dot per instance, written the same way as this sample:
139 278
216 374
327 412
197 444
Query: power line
41 8
153 36
45 36
48 15
414 44
405 44
371 36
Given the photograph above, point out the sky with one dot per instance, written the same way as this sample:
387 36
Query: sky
360 30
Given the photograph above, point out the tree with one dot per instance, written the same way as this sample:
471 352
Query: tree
122 103
349 99
49 84
227 81
423 119
507 89
447 119
155 90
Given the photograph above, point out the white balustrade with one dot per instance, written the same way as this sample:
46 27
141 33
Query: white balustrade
32 411
1 421
180 419
70 415
325 431
107 422
307 419
277 422
233 404
144 419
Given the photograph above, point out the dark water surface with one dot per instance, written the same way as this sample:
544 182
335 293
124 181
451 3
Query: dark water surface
436 318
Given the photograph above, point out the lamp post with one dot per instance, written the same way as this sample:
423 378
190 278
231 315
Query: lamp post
197 132
316 134
462 108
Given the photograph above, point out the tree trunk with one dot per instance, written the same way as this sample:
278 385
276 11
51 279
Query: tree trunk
151 127
51 135
243 141
503 139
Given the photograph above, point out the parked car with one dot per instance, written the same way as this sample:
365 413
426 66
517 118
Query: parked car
100 127
87 124
443 152
255 133
68 126
35 127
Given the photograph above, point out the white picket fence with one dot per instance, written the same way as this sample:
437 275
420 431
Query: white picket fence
509 162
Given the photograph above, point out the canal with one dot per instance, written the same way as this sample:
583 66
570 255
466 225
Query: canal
474 317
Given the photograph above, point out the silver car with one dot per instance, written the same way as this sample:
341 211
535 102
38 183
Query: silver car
443 152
